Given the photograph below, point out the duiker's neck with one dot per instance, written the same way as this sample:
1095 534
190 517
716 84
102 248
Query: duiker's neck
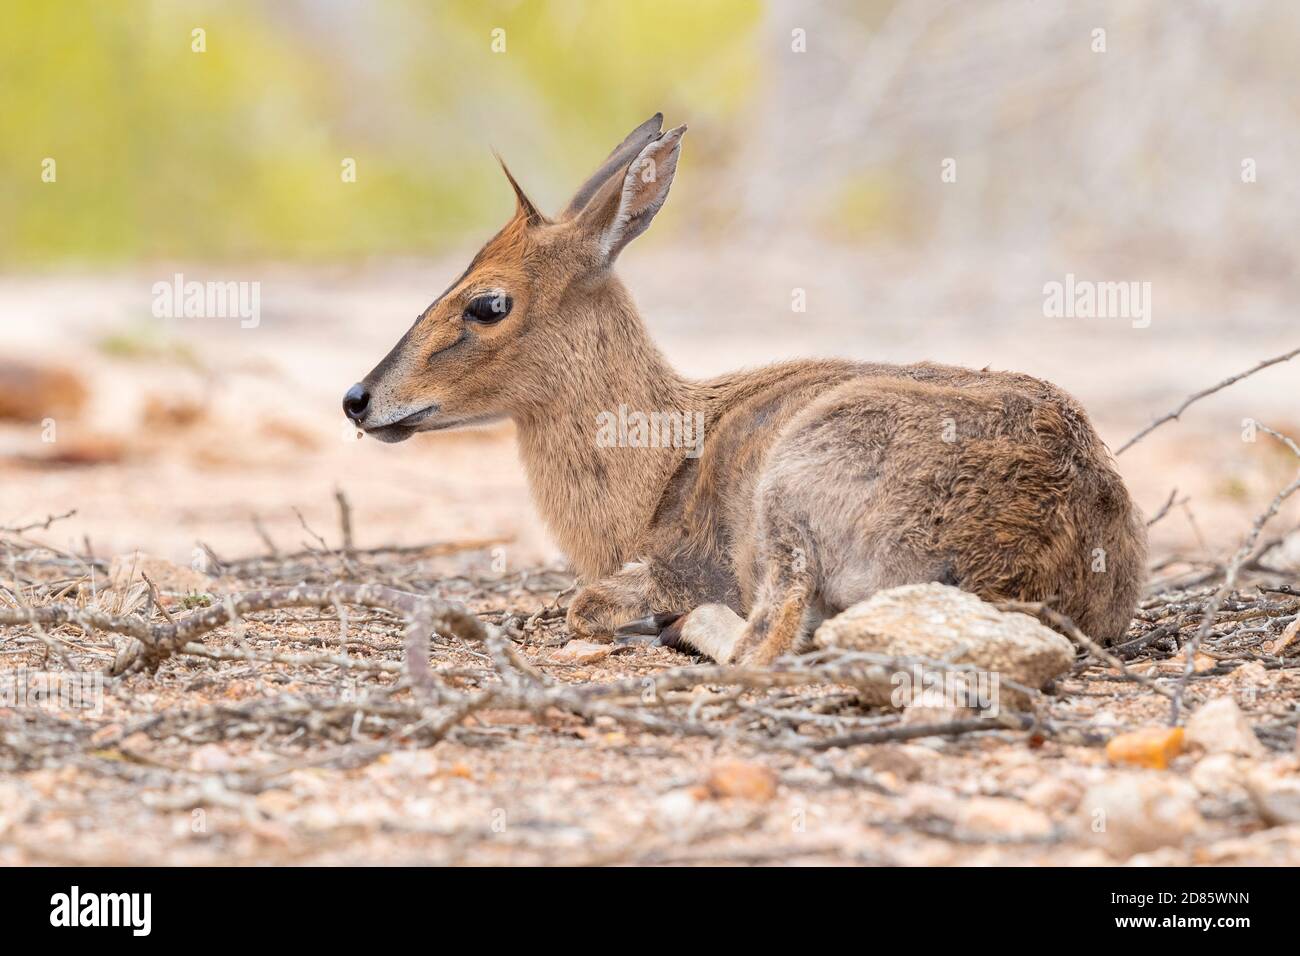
596 480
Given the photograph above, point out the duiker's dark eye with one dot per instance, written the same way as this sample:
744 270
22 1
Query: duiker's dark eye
489 308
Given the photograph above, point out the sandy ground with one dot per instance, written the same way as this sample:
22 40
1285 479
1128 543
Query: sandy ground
304 760
201 432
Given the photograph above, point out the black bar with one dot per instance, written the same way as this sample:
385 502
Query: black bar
239 906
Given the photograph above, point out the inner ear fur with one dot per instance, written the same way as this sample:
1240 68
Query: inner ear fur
619 157
624 205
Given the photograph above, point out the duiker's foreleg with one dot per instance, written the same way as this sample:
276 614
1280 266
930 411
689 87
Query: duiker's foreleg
633 592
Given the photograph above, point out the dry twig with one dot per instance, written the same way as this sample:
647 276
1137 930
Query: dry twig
1173 416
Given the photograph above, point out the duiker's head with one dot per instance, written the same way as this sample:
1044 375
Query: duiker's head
492 342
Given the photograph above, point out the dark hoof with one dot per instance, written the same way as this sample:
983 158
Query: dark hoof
671 636
648 630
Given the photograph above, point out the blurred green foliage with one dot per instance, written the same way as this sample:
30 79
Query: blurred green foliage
237 152
147 341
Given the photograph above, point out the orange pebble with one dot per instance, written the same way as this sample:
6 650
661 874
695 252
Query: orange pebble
1149 747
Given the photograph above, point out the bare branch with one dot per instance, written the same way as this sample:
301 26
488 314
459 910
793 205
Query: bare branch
1164 509
1172 416
39 525
345 519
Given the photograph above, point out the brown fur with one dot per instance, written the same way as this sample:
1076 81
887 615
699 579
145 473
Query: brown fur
820 482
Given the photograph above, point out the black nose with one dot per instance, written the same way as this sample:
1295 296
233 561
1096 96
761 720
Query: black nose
356 402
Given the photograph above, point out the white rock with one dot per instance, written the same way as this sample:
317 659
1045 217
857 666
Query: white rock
679 809
1276 796
921 754
1003 817
944 623
129 569
1252 675
1135 813
1219 775
582 652
917 713
404 763
902 762
369 812
1221 727
1284 556
1054 793
212 758
320 816
15 802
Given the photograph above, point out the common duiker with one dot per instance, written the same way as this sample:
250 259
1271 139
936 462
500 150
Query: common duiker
786 493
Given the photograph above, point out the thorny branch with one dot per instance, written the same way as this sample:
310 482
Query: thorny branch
521 685
159 641
1196 397
643 701
39 525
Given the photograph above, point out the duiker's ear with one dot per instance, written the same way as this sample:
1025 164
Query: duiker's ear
622 208
524 208
617 161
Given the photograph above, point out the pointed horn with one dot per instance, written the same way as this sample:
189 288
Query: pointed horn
524 208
